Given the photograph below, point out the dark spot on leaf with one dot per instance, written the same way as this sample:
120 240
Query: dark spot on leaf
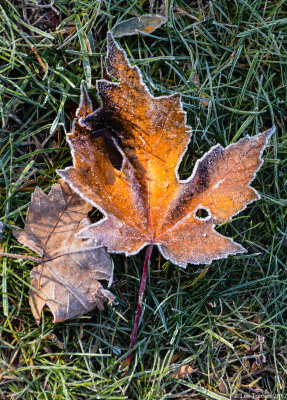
202 213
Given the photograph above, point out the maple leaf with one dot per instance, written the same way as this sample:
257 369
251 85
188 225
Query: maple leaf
145 202
67 278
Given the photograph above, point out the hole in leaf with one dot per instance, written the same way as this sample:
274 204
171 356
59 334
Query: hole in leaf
202 214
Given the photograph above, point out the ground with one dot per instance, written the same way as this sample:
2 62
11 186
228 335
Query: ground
215 331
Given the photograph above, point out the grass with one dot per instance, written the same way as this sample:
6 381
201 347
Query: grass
225 322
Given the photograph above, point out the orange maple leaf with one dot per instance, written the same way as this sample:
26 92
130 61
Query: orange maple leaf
145 202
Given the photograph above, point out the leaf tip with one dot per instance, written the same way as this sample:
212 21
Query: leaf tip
269 133
110 40
85 106
266 135
36 304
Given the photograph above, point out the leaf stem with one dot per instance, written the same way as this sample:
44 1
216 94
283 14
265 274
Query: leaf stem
140 298
21 257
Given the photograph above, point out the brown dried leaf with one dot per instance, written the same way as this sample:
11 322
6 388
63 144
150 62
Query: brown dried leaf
67 280
142 24
184 371
146 202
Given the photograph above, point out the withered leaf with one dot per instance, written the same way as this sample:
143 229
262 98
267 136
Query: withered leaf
184 371
146 202
144 23
67 279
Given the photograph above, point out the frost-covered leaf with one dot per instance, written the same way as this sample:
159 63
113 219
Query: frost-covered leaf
144 23
67 278
145 202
